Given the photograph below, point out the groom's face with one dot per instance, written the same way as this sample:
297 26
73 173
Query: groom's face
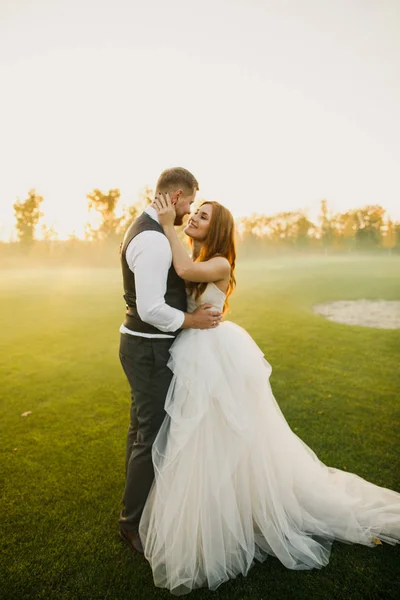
183 204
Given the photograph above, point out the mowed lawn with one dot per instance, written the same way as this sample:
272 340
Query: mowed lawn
62 467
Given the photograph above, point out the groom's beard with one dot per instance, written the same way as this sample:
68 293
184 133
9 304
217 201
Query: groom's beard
178 220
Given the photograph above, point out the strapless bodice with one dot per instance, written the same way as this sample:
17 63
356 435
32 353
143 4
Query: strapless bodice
211 295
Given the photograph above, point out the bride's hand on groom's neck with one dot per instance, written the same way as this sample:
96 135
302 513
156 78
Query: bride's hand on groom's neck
165 210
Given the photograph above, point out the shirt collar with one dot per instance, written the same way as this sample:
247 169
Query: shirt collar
152 213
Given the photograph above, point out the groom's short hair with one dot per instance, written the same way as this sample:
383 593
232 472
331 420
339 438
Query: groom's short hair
172 179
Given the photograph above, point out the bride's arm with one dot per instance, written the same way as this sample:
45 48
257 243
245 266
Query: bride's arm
215 269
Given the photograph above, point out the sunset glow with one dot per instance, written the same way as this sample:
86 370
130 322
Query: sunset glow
272 105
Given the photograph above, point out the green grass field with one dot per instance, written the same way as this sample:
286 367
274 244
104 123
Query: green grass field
62 467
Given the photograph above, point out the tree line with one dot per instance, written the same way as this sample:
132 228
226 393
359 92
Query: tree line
28 214
365 228
360 229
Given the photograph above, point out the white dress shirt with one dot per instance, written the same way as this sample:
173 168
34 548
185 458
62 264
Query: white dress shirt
149 257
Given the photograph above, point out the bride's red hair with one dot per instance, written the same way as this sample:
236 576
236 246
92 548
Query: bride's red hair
220 241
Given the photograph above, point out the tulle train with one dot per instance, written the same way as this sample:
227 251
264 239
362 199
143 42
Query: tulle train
234 483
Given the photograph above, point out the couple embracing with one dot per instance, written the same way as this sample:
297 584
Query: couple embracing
215 477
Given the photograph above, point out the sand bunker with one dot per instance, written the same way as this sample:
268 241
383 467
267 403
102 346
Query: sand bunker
382 314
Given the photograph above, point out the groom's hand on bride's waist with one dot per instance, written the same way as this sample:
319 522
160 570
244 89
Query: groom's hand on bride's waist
204 317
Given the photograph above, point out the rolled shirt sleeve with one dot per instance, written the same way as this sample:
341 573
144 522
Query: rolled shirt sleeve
149 257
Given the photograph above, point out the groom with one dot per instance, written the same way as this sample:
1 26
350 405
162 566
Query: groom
155 314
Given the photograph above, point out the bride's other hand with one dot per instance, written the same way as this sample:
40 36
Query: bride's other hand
165 210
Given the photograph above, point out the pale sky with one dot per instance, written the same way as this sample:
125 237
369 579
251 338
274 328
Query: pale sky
272 104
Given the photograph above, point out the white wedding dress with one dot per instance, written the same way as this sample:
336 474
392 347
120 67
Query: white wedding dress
234 483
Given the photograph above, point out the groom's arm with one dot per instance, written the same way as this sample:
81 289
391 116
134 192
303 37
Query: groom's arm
149 256
214 269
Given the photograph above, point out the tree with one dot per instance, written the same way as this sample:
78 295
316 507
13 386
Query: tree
397 233
49 234
133 210
252 230
286 229
347 225
389 238
370 223
27 214
302 230
105 205
327 230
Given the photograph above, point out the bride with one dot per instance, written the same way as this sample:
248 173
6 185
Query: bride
233 483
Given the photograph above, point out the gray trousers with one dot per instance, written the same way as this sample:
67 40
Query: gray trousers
144 361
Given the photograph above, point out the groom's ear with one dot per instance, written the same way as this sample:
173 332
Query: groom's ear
176 195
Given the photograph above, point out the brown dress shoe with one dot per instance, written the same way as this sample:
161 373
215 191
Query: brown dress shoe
131 539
